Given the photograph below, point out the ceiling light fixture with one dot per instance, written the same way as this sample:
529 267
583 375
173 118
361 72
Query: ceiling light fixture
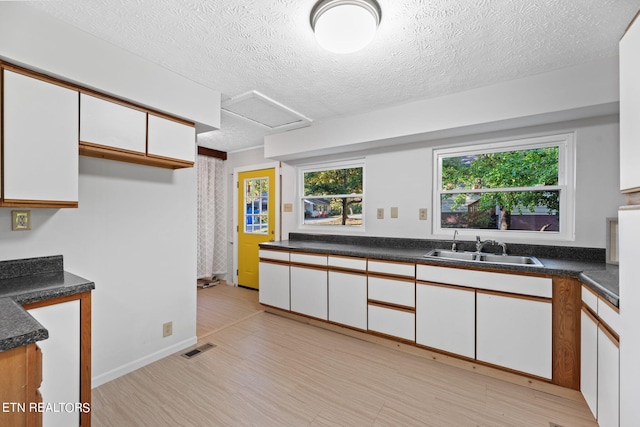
345 26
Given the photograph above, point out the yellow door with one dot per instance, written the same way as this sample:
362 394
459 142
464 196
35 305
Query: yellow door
256 220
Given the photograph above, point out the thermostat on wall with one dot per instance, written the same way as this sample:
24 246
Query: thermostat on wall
20 220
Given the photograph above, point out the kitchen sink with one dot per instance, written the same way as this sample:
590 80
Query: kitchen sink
482 257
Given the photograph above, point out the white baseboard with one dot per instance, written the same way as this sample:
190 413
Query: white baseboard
143 361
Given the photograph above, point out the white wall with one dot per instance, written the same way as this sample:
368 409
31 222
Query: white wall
401 176
134 235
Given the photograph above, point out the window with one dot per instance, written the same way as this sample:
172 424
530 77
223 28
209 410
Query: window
516 187
332 194
256 202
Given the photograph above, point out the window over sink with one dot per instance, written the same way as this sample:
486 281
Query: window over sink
517 187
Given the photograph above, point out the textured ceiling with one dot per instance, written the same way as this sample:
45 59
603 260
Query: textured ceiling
422 49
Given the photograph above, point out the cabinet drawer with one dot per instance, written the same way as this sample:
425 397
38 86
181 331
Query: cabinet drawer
274 255
389 321
590 299
349 263
392 268
308 259
512 283
392 291
609 315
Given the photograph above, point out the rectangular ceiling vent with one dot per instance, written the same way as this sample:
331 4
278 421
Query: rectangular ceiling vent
264 111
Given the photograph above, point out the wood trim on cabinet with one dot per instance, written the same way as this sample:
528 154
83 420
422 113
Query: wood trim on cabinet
85 344
13 203
391 277
609 333
565 347
95 150
516 296
344 270
391 306
444 285
273 261
309 266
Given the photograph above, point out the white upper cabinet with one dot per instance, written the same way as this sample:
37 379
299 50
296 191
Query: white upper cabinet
170 139
112 125
630 108
40 146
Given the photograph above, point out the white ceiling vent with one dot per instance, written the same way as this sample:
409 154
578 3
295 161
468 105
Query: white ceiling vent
264 111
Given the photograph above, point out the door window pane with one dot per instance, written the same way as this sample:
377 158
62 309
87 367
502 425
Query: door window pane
256 203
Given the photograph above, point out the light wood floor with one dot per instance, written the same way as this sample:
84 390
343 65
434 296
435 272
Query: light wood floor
267 370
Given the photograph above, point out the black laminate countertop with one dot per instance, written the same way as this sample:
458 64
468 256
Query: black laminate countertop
31 280
586 264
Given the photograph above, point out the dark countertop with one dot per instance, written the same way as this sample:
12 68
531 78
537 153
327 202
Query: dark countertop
26 281
585 264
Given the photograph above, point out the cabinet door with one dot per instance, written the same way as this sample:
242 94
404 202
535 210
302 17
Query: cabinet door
348 299
274 284
589 361
608 380
514 333
446 319
40 150
168 138
60 360
112 125
392 291
309 291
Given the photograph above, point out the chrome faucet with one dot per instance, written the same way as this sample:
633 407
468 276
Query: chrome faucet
480 245
454 245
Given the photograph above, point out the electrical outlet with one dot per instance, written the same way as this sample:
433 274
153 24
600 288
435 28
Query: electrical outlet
394 212
422 214
167 329
380 213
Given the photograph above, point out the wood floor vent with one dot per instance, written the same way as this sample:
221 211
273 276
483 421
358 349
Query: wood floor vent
197 351
554 424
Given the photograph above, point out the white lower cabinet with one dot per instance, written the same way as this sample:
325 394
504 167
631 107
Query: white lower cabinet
589 361
608 380
446 318
348 299
514 333
390 321
60 361
309 291
274 284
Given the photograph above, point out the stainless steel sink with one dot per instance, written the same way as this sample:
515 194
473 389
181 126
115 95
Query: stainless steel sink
482 257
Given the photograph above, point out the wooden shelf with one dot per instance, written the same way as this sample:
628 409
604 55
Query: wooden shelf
102 152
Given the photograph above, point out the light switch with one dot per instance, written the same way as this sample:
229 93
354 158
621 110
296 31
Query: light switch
287 207
422 214
380 214
394 212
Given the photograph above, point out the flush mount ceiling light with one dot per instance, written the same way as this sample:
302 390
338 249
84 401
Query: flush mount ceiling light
345 26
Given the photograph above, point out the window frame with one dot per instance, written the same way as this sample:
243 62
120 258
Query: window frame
566 185
323 166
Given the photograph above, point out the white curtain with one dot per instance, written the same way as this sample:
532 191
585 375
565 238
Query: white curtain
212 232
